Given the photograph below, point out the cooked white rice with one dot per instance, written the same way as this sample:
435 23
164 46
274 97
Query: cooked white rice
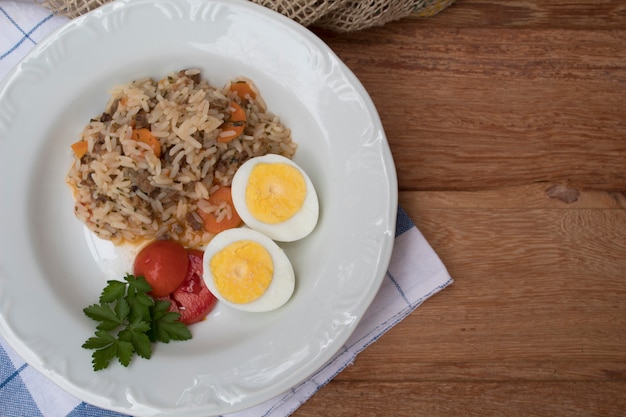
124 192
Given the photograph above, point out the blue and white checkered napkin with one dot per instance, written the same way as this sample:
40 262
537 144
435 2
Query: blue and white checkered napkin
414 274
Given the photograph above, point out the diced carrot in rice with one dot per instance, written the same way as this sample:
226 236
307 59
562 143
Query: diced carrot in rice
80 148
234 126
243 89
144 135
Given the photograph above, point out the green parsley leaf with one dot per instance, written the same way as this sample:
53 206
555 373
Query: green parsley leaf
137 284
124 352
136 334
169 328
166 325
102 357
129 322
139 306
113 291
122 309
101 340
104 314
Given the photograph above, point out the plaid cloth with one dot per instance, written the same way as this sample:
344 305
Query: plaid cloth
414 274
22 25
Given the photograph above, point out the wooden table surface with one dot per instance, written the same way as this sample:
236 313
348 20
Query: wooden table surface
507 122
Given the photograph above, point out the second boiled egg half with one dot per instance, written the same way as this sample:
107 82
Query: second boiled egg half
273 195
247 270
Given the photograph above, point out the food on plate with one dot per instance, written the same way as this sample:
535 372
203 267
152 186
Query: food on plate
147 166
234 124
164 264
247 270
132 314
192 299
273 195
129 322
218 212
175 275
181 165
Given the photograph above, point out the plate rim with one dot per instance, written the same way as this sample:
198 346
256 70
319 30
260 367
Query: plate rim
111 8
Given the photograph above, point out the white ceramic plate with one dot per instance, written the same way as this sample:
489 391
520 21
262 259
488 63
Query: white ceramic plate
49 265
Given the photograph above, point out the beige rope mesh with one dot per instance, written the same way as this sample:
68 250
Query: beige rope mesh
336 15
357 15
305 12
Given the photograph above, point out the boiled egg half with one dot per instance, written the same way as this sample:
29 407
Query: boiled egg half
273 195
247 270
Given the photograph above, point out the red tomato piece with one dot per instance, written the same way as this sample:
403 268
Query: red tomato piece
192 299
164 264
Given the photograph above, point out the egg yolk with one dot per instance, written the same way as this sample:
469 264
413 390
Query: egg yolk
275 192
242 271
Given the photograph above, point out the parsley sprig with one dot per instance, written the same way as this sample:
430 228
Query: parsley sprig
129 322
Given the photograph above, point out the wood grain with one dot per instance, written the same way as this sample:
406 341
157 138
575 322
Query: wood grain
555 14
532 399
507 123
535 323
473 108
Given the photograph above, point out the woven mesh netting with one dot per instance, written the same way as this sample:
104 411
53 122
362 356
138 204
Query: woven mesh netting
335 15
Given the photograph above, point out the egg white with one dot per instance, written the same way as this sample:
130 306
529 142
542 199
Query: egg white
296 227
283 280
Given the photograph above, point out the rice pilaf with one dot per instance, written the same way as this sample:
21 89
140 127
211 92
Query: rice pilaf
129 189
